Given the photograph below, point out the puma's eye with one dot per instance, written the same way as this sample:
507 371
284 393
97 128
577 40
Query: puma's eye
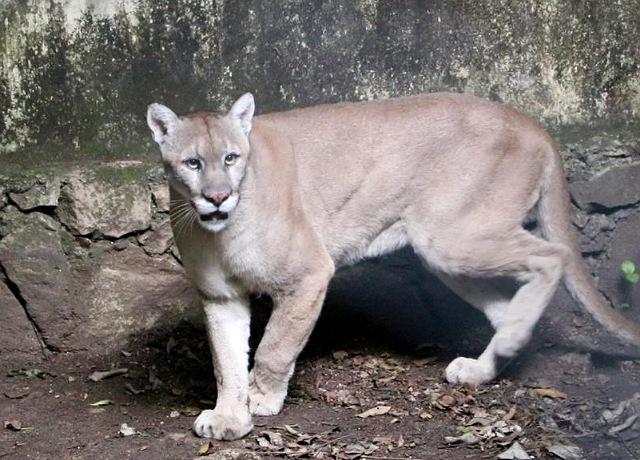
230 158
193 163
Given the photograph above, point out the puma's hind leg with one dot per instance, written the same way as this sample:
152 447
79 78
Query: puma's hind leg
494 302
535 264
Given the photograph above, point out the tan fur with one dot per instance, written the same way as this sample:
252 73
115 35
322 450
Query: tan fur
309 190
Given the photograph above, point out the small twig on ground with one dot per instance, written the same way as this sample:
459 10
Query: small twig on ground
97 376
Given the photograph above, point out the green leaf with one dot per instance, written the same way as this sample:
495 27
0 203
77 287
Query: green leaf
102 402
633 277
628 267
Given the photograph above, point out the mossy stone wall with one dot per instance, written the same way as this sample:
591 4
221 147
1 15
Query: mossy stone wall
77 75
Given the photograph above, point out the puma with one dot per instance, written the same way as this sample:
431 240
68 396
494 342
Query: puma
274 203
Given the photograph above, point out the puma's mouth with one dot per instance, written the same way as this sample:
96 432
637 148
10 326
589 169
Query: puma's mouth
215 215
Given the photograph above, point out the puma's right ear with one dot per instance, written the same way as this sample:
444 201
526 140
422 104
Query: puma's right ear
162 122
242 110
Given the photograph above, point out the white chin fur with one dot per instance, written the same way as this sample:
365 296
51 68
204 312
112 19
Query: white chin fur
213 225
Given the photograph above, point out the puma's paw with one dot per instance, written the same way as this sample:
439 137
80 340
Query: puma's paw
223 426
265 403
469 371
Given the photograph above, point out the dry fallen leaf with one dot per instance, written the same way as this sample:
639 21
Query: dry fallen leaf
612 416
388 379
566 452
446 402
378 410
509 415
553 393
205 449
358 449
130 388
340 355
466 438
177 437
13 425
342 397
628 423
190 411
274 438
17 393
515 452
126 430
425 361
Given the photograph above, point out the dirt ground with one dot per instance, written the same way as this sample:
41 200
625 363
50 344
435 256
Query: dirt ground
349 399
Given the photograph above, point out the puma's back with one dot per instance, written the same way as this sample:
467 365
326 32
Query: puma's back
361 165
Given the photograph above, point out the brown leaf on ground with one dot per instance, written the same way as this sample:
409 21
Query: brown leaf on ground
13 425
553 393
206 449
340 355
375 411
509 415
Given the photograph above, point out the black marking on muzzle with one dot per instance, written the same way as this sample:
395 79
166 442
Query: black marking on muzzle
215 215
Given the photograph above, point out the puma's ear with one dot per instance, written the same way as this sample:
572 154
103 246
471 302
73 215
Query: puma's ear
162 122
243 110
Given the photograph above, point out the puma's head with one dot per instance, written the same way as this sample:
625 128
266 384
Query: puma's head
205 156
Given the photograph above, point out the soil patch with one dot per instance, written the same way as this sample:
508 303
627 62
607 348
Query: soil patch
350 400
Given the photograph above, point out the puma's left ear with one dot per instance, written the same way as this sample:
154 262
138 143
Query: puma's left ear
162 122
243 110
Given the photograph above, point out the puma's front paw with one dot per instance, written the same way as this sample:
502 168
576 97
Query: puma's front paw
264 402
469 371
222 426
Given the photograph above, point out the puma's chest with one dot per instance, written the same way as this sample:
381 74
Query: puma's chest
222 267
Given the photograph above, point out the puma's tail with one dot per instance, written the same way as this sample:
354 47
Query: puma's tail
555 219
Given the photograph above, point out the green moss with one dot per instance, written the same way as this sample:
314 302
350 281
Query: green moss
122 174
22 179
28 171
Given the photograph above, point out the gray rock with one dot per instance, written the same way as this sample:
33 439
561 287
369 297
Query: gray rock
44 192
625 246
3 196
160 193
593 236
132 293
111 206
34 260
613 187
158 240
18 340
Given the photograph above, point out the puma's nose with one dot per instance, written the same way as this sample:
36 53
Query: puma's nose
216 198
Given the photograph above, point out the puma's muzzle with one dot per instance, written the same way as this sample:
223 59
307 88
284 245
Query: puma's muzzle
214 214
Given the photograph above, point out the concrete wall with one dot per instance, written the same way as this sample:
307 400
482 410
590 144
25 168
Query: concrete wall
76 76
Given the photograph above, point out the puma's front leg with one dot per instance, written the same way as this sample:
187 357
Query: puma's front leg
228 327
292 320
